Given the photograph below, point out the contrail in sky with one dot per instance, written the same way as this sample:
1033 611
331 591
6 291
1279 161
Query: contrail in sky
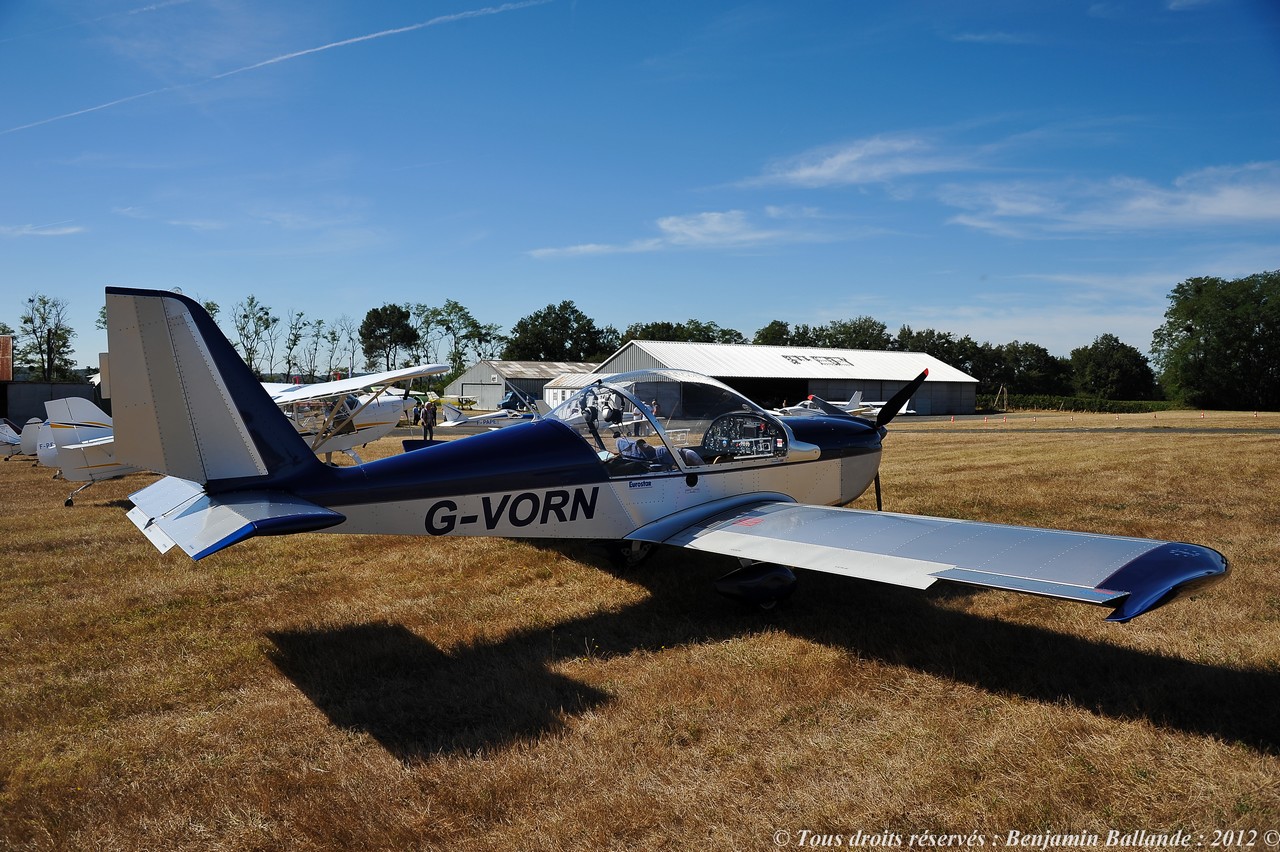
442 19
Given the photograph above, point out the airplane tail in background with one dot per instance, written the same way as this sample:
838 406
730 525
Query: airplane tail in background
185 403
452 414
75 420
30 436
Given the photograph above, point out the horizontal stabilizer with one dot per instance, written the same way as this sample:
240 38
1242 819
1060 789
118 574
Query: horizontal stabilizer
176 511
1132 575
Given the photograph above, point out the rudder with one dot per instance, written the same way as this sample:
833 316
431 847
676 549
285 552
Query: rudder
184 402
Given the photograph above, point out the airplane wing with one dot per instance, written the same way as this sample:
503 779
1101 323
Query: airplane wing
281 394
9 434
1129 574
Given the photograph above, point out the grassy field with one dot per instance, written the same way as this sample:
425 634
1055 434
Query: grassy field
319 692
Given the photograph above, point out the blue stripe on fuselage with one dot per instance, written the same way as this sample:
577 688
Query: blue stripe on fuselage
536 455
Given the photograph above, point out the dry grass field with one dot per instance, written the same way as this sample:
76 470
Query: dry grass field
330 692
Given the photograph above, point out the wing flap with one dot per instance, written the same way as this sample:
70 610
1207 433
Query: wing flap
1131 574
1044 588
176 511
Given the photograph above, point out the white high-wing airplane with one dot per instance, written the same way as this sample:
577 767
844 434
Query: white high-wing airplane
718 474
335 418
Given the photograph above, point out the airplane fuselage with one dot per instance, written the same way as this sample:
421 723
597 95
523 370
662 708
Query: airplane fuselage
541 480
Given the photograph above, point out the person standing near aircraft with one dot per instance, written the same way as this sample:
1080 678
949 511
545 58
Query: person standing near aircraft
429 421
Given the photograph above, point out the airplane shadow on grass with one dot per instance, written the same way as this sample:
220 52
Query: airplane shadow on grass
418 701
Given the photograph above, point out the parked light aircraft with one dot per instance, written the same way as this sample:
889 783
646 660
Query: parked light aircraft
719 474
816 405
30 437
453 416
78 437
81 443
334 418
10 438
515 407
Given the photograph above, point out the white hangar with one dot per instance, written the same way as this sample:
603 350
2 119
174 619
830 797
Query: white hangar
778 375
488 380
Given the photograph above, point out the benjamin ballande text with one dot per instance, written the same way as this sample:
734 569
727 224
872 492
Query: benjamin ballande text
1137 839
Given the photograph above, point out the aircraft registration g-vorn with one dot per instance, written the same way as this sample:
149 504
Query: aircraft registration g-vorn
715 472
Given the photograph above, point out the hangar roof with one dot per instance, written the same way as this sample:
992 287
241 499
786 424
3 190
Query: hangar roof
537 369
793 362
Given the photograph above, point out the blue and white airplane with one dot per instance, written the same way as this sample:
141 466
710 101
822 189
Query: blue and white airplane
715 473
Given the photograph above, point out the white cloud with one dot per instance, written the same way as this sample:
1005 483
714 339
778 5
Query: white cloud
56 229
730 228
711 230
874 160
1222 196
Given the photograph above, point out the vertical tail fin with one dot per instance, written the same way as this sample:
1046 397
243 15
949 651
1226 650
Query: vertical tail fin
185 404
75 420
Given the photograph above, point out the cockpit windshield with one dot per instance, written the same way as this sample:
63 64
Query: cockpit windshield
663 420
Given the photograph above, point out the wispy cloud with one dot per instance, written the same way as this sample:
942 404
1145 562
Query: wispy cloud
1221 196
713 230
55 229
874 160
729 229
275 60
995 38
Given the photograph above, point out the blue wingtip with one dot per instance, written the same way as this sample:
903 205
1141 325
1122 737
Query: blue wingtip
1162 574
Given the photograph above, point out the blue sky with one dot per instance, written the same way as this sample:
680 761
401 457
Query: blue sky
1043 172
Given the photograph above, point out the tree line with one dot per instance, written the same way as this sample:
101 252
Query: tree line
1219 346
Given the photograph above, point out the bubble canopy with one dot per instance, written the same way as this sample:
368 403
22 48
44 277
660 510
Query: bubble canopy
651 421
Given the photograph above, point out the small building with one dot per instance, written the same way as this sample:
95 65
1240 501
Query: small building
487 381
779 375
566 385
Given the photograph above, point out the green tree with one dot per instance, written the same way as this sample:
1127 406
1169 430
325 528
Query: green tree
1111 369
1219 346
294 353
560 333
942 345
384 332
857 333
776 333
459 326
693 331
43 343
256 328
1029 368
